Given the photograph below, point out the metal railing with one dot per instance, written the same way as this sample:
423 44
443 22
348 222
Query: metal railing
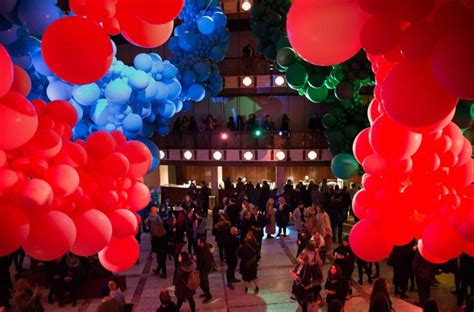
243 140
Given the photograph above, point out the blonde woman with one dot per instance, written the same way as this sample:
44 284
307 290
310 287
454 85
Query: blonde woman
270 222
324 227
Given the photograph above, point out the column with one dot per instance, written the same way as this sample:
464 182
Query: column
280 178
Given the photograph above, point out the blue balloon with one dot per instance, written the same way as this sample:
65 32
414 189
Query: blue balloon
162 91
59 90
156 57
80 130
86 94
118 91
174 89
150 91
188 41
99 112
79 110
133 123
155 152
37 15
6 6
40 65
4 23
167 109
9 36
169 70
173 44
25 61
188 78
220 20
206 25
143 62
217 53
196 92
202 70
139 80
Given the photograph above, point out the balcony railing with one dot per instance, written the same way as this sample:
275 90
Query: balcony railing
243 140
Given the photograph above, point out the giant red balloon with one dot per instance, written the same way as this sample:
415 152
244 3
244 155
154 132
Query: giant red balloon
379 6
138 196
51 235
412 11
392 141
77 50
380 34
158 11
72 154
35 195
94 232
139 157
428 256
120 254
15 228
124 223
361 146
6 67
100 144
418 40
19 116
367 243
412 97
440 240
46 143
325 32
64 179
21 81
8 178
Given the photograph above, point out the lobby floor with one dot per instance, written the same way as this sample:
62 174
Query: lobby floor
275 285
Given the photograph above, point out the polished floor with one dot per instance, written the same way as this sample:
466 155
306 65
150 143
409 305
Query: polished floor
275 284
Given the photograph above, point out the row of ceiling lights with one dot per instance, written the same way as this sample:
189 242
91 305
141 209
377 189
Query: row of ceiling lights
248 155
277 80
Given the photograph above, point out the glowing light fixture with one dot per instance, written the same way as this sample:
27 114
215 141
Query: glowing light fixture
280 155
217 155
224 136
247 81
248 155
162 154
312 155
188 155
279 81
246 5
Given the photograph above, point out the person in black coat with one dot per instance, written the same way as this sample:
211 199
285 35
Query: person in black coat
231 246
222 230
380 299
424 275
258 223
166 304
204 262
302 274
189 226
233 211
204 194
336 285
401 259
284 216
248 254
345 258
182 292
303 238
466 272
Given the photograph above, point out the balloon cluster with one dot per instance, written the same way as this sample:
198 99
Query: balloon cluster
418 165
268 24
199 41
58 195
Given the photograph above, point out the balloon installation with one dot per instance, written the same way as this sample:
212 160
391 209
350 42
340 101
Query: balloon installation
201 40
419 171
59 195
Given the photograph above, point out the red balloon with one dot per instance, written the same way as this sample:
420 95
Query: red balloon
379 6
15 228
79 7
120 254
138 196
8 178
418 40
455 134
465 154
375 165
440 240
45 144
6 67
448 159
62 112
124 223
380 34
367 243
139 157
426 161
427 102
72 154
158 11
469 249
77 50
94 232
402 143
3 158
100 144
371 182
19 116
362 201
325 32
422 198
35 195
64 179
118 136
428 256
112 26
373 112
101 10
463 175
412 11
361 146
21 81
116 164
51 235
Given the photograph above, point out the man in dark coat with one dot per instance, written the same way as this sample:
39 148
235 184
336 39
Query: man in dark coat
182 292
466 272
231 247
233 211
345 258
401 259
246 224
424 275
204 194
204 261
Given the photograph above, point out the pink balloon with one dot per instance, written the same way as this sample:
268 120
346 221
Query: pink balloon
94 232
361 146
52 234
19 116
440 240
139 157
428 256
63 179
138 196
380 34
120 254
402 144
15 228
367 244
124 223
325 32
35 195
8 178
427 102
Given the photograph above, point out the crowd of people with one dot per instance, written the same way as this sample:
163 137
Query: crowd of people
264 123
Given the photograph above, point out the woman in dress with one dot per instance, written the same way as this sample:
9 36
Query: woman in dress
270 227
248 254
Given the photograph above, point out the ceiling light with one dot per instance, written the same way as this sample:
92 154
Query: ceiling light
162 154
247 81
246 5
280 155
188 155
248 155
217 155
312 155
279 81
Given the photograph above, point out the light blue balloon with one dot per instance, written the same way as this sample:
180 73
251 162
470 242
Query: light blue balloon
118 91
162 91
196 92
220 19
206 25
143 62
79 110
139 80
99 113
167 110
37 15
86 94
150 91
110 127
174 89
133 123
169 71
179 105
40 65
9 36
155 57
59 90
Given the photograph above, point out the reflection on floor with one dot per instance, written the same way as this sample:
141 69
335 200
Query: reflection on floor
275 285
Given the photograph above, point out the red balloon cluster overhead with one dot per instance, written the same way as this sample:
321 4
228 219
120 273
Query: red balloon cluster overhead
57 195
419 171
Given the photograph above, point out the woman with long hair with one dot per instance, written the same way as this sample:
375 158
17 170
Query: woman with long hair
270 227
336 286
323 225
380 299
302 275
248 254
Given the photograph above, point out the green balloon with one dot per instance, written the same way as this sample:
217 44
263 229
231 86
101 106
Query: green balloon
316 95
344 166
344 90
296 75
283 43
273 17
350 132
258 10
269 52
316 78
328 120
286 57
334 137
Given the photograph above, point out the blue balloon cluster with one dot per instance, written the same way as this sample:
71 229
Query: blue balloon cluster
200 41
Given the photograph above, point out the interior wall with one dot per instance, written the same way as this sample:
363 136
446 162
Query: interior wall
254 174
190 172
316 173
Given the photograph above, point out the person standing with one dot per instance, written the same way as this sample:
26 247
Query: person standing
204 194
284 219
466 271
345 258
424 275
182 291
336 285
248 254
380 299
303 281
323 226
258 223
270 227
298 216
166 304
285 123
204 262
231 247
159 241
222 229
26 298
189 226
401 259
